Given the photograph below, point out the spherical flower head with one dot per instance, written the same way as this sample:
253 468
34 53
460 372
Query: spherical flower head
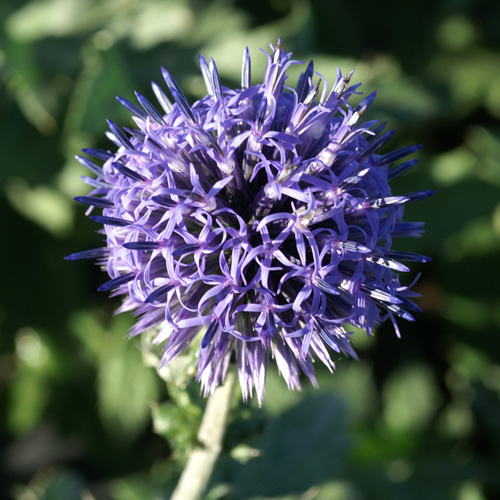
258 220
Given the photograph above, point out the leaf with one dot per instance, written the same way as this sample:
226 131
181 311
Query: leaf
29 394
305 446
30 389
53 484
104 75
63 485
178 424
337 490
126 387
43 205
411 398
148 30
38 20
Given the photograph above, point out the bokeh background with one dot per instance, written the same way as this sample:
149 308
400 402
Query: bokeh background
83 413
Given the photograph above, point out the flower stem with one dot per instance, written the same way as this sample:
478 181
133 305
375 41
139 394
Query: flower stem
198 470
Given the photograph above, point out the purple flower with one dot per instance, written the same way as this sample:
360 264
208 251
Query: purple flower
259 220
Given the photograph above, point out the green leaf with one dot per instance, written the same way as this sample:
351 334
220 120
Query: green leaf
178 424
103 76
64 486
135 489
126 387
411 398
53 484
305 446
53 18
30 389
337 490
29 394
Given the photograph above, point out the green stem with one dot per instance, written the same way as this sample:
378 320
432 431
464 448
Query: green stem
198 470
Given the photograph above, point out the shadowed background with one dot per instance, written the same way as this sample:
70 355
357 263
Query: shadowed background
83 413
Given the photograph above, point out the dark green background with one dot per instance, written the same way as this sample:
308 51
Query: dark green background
416 418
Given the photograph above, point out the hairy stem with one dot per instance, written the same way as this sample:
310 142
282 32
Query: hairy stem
196 474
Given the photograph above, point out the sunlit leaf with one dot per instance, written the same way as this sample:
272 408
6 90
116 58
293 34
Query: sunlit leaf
126 387
411 398
43 205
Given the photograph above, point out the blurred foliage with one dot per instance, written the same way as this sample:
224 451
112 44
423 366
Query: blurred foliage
84 414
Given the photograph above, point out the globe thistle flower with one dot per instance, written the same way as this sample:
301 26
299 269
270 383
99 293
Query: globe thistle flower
259 220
